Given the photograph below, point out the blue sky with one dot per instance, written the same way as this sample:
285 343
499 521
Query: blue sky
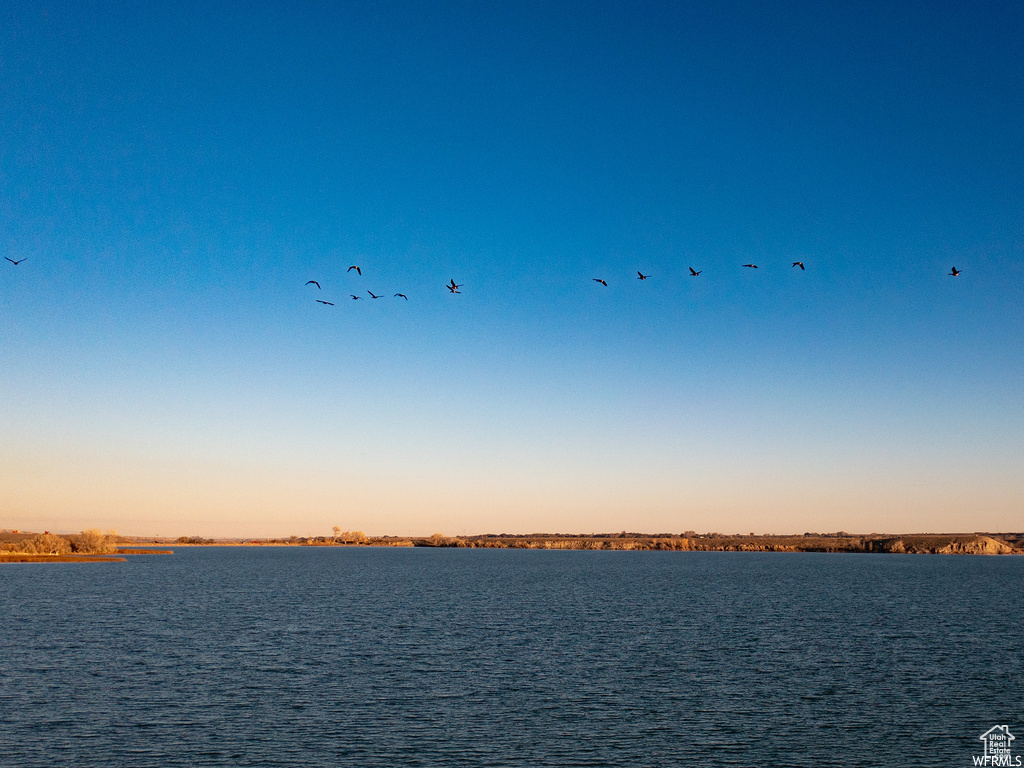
174 174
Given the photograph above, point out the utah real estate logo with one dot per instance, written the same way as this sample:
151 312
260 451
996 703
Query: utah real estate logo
997 748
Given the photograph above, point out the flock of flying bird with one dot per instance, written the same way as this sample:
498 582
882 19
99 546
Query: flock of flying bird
453 287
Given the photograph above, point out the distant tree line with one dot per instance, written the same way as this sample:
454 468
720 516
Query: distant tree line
349 537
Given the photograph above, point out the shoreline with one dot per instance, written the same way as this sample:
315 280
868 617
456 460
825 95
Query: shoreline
117 556
935 544
22 557
940 543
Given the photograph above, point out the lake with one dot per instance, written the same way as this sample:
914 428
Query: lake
303 656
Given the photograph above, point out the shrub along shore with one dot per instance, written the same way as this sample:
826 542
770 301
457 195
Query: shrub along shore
90 546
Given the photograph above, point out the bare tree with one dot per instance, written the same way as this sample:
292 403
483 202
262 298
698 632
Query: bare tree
94 542
47 544
352 537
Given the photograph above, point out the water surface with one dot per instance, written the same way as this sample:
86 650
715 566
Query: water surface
300 656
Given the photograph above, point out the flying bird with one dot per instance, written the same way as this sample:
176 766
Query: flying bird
602 282
955 272
695 272
355 297
313 282
798 264
328 303
15 263
373 295
453 287
402 295
752 266
642 275
357 269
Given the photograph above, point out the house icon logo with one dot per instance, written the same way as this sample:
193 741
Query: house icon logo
997 741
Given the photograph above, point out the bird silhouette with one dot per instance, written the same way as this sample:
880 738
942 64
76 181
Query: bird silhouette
642 275
402 295
357 269
313 282
453 287
955 272
695 272
798 264
355 297
752 266
373 295
602 282
328 303
15 263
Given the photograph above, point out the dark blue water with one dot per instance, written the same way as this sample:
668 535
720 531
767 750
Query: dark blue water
417 657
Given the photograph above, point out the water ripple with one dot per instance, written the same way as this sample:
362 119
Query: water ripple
367 657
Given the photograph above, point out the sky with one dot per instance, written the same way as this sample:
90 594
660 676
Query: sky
172 174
